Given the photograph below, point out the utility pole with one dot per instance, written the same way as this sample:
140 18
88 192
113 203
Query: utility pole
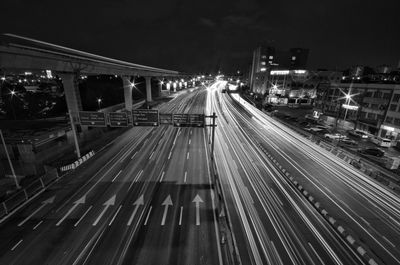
9 161
212 133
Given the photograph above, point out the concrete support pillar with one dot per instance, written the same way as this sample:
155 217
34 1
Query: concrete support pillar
148 88
71 90
127 92
74 103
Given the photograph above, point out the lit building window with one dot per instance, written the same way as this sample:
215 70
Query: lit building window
270 62
293 58
262 63
263 69
271 57
263 56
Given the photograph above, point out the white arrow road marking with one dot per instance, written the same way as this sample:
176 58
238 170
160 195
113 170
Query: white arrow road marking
167 202
76 203
197 200
44 203
107 204
137 203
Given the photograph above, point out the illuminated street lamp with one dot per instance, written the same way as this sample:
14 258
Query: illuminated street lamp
348 97
99 102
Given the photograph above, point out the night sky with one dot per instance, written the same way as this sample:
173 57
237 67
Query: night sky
206 36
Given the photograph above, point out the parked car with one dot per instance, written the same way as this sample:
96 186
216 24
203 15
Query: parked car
372 151
333 136
383 142
348 141
358 133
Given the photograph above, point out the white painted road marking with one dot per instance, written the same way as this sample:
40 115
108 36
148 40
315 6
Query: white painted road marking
107 204
116 176
184 179
36 226
137 203
187 155
167 202
197 200
44 203
162 176
115 215
148 215
133 155
16 245
180 216
80 219
76 203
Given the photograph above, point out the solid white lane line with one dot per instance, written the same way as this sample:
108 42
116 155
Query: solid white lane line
115 215
116 176
180 216
187 155
36 226
16 245
152 153
148 215
162 176
80 219
184 179
134 155
136 178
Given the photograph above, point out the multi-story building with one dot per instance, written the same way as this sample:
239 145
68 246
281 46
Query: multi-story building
266 59
369 106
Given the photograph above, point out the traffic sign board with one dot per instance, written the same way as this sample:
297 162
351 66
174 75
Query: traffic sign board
145 117
92 118
118 119
188 120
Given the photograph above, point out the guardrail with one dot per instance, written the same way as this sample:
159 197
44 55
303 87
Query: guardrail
28 192
78 162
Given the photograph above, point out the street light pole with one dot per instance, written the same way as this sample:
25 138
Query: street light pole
99 102
9 161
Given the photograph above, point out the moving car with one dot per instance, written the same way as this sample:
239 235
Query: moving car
372 151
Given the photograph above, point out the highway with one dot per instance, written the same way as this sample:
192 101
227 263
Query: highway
146 198
292 202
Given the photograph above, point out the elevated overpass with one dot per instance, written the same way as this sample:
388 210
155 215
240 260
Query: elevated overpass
22 53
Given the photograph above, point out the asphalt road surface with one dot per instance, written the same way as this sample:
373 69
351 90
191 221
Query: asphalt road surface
275 219
146 198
